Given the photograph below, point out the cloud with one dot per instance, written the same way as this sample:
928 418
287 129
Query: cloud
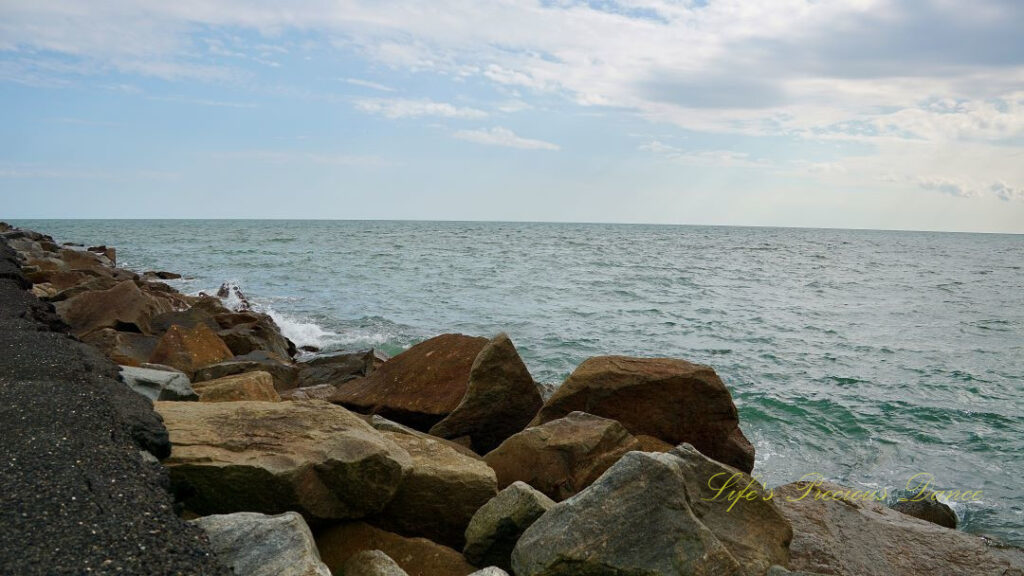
948 186
1005 192
368 84
403 108
703 158
498 136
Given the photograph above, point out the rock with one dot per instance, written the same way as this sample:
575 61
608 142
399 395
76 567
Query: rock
420 386
780 571
546 390
254 386
669 399
272 457
384 425
83 259
123 307
498 525
189 349
189 319
336 368
285 375
259 545
372 563
44 291
125 348
417 556
262 333
490 571
836 531
563 456
500 399
440 494
653 515
158 384
161 275
92 284
319 392
108 251
926 506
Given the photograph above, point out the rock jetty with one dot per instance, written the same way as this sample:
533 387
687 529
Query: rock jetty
147 431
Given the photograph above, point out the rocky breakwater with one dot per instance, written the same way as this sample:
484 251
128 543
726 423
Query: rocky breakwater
351 464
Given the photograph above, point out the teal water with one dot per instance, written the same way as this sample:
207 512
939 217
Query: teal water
866 356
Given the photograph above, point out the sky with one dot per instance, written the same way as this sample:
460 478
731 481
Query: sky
828 113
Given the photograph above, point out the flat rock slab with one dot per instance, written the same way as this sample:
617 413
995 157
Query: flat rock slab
259 545
312 457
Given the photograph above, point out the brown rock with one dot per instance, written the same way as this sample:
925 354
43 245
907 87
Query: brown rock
83 260
190 349
838 532
254 386
666 398
372 563
442 491
564 456
500 399
336 368
262 334
926 506
125 348
189 319
420 386
285 374
271 457
417 556
123 307
319 392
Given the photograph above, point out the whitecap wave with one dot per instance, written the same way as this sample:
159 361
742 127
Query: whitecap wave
304 333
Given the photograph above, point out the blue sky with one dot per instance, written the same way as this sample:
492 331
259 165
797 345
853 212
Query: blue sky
853 113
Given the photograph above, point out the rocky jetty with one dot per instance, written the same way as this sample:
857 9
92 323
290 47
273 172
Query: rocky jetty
128 406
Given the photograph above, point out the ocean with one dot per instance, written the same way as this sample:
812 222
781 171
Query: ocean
868 357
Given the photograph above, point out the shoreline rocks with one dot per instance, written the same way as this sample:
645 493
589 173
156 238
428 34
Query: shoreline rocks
259 545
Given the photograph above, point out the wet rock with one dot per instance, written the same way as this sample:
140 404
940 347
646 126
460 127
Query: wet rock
441 492
372 563
498 525
158 384
123 307
260 545
189 349
500 399
262 334
312 457
927 507
652 515
336 368
563 456
838 532
669 399
161 275
418 387
285 375
417 556
251 386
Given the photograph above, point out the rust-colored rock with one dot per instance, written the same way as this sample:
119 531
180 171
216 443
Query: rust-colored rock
125 348
123 307
500 400
420 386
417 556
254 386
564 456
190 349
669 399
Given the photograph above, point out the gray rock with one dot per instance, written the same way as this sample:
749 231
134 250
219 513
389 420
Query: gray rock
780 571
497 525
372 563
158 384
654 514
490 571
260 545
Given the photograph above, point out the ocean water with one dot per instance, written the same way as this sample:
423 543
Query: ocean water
864 356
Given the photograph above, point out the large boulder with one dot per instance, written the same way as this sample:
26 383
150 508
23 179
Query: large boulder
838 530
656 514
417 556
420 386
260 545
125 348
285 374
334 369
442 491
498 525
318 392
500 399
123 307
666 398
564 456
189 318
189 349
272 457
258 332
372 563
158 384
254 386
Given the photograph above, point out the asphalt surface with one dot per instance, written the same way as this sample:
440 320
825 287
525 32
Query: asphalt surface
76 494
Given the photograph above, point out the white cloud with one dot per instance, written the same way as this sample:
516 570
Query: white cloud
369 84
405 108
949 186
703 158
504 137
1006 192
